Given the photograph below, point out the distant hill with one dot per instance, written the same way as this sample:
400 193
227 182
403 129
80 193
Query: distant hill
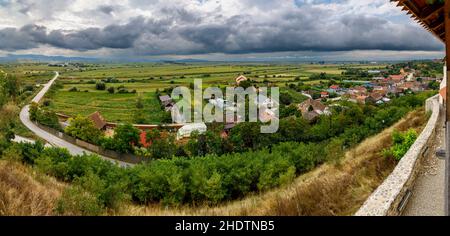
59 59
42 58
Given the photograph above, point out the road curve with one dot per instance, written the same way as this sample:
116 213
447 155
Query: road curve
53 140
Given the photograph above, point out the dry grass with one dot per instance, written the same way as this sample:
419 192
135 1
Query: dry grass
24 192
331 189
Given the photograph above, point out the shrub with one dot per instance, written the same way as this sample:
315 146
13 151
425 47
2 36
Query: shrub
44 117
100 86
47 102
108 194
401 144
33 111
285 98
111 90
122 90
28 88
126 136
31 152
214 191
163 147
84 128
26 94
139 103
78 202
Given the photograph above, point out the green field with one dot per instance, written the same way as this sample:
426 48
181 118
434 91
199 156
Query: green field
146 78
114 107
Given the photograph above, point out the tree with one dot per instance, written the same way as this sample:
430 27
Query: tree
285 98
290 110
3 97
433 85
12 86
139 103
100 86
162 148
245 84
111 90
7 124
139 117
207 143
125 138
166 118
33 111
83 128
44 116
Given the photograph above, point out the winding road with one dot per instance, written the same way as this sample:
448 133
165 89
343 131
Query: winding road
54 140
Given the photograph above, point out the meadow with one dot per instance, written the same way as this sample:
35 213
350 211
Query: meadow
115 107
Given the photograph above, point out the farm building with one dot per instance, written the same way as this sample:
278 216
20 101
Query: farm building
311 109
98 120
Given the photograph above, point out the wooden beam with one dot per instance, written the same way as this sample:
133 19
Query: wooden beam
430 11
437 25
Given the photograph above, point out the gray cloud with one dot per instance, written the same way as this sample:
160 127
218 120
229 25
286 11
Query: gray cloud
179 31
106 9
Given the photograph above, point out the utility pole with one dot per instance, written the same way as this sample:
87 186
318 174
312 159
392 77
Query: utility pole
447 104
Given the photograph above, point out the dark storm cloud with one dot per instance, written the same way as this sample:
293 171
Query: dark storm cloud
106 9
112 36
12 39
183 32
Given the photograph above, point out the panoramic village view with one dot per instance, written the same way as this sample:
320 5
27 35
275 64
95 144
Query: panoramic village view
88 113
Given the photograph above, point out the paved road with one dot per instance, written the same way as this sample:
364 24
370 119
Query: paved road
53 140
427 198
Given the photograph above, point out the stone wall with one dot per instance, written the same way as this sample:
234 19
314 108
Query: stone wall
390 198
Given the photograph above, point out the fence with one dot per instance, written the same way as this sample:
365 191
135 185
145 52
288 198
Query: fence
124 157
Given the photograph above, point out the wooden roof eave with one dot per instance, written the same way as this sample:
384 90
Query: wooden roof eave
425 16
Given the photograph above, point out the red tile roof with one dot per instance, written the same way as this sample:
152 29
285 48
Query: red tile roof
334 87
396 77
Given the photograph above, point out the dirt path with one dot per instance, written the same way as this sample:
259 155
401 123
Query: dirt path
427 198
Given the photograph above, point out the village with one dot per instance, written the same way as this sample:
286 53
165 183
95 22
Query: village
378 91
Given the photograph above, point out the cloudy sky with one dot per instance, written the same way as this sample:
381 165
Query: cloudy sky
214 29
